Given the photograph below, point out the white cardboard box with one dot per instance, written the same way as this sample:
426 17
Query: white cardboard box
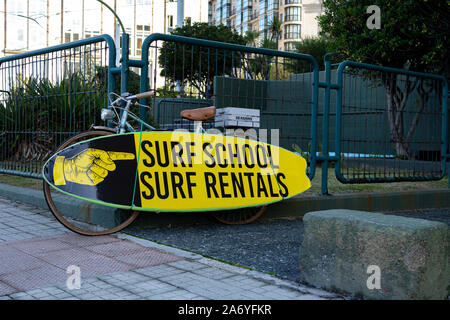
238 111
237 117
234 117
231 123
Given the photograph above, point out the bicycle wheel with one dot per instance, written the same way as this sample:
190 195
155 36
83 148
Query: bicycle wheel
239 216
83 222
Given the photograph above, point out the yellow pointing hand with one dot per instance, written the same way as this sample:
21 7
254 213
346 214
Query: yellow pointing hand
89 167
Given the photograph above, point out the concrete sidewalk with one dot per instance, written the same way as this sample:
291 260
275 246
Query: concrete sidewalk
39 259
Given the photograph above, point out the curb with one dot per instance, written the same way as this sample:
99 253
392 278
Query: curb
373 202
294 207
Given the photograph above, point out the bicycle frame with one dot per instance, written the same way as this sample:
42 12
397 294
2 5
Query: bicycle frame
124 126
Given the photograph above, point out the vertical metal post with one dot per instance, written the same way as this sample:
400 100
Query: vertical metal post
180 18
325 131
28 25
5 27
315 105
124 67
47 31
445 149
62 21
338 132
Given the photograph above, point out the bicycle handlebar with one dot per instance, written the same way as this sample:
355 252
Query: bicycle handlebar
145 94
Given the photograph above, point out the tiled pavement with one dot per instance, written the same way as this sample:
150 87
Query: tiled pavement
36 252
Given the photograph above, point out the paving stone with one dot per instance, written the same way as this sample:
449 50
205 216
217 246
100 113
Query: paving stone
187 265
6 289
35 251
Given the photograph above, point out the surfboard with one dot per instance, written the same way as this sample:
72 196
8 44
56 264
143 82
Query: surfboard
177 171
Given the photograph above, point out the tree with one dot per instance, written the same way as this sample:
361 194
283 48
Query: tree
317 47
263 63
197 66
251 37
275 30
414 34
257 66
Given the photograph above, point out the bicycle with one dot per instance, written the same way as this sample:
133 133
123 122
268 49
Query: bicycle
122 125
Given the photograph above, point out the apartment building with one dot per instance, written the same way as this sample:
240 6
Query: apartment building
297 17
32 24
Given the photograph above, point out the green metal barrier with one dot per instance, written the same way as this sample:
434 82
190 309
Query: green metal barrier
282 85
51 94
391 124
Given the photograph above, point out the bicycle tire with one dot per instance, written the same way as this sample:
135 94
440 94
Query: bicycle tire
59 216
239 216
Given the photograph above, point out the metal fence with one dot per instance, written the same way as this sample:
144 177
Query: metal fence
282 86
375 124
382 124
391 124
49 95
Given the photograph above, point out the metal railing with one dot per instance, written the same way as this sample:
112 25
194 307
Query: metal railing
49 95
283 86
374 124
391 124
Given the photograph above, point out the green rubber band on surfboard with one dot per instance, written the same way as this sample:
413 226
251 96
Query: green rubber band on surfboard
137 163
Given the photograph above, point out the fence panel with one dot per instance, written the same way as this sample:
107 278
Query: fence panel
391 124
49 95
283 86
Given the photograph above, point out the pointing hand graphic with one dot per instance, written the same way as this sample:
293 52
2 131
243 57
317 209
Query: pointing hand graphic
89 167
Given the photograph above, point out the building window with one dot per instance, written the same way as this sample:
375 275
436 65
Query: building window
138 46
290 46
262 6
245 15
238 19
218 14
272 5
20 35
147 28
292 31
262 24
292 14
76 36
292 1
66 37
238 5
246 27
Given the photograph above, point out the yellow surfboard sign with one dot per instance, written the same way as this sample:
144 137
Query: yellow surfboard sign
177 171
191 171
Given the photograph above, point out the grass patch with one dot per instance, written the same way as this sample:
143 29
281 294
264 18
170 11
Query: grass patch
19 181
334 186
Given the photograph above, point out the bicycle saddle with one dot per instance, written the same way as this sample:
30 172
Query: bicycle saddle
199 114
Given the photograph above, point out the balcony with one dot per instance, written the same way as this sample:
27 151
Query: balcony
292 35
292 17
253 16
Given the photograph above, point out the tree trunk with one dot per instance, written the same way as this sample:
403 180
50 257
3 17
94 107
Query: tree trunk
396 103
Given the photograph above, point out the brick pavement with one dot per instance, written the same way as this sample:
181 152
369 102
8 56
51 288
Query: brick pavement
36 252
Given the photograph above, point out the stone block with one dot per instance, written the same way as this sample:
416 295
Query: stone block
343 250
